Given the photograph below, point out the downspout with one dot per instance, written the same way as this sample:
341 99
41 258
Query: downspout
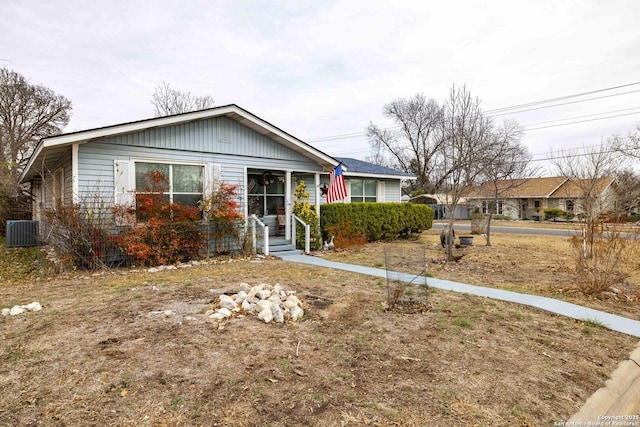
287 204
318 194
74 174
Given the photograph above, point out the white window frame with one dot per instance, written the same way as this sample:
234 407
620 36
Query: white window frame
170 164
364 194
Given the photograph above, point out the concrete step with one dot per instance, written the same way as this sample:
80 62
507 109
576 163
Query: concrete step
278 246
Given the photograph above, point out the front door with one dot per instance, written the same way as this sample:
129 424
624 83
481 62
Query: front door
266 195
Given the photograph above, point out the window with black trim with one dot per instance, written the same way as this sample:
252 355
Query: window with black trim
569 205
266 193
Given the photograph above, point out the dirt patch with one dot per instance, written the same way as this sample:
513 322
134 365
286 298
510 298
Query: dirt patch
138 349
541 265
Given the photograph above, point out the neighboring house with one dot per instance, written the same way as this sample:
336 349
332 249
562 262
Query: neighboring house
438 202
367 182
528 198
196 150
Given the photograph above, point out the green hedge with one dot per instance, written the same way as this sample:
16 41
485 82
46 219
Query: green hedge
377 221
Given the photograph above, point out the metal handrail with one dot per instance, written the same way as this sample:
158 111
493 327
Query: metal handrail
307 233
265 234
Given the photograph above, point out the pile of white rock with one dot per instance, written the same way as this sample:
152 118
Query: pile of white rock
19 309
270 303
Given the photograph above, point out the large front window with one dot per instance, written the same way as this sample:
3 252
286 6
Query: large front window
266 193
181 184
363 190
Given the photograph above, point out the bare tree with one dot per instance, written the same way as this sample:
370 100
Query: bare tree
602 251
589 173
504 165
168 101
627 190
414 145
627 144
28 113
467 134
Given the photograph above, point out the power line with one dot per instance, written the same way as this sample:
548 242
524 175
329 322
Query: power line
582 121
581 117
564 103
560 98
512 110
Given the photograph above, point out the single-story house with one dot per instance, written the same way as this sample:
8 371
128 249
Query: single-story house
528 198
196 150
438 202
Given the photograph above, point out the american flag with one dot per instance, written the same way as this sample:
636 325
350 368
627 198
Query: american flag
337 189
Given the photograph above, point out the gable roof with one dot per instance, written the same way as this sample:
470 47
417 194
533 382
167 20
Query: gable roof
579 187
537 188
526 188
357 167
49 149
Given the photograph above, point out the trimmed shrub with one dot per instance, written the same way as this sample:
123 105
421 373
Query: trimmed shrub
376 221
553 213
500 217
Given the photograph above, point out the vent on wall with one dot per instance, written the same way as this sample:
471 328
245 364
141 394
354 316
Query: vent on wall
22 233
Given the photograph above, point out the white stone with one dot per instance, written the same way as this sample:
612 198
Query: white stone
34 306
225 311
263 305
5 311
227 302
277 288
240 297
263 294
169 313
245 287
254 291
275 298
278 315
217 316
296 313
15 310
266 315
292 301
247 306
171 267
153 270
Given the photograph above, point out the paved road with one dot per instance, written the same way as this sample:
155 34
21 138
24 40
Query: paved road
516 230
562 230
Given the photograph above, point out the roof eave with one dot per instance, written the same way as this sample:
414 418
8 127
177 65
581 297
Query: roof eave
232 111
376 175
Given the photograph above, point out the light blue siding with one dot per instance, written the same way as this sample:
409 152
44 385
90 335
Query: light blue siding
219 135
218 140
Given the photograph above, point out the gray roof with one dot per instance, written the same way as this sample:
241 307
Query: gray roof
358 166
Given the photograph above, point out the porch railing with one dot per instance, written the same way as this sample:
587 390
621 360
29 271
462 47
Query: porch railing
265 234
307 233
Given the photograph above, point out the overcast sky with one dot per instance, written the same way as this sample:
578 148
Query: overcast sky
324 69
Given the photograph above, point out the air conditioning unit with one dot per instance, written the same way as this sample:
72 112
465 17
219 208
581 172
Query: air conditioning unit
22 233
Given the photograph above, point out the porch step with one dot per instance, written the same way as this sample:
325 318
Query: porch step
278 246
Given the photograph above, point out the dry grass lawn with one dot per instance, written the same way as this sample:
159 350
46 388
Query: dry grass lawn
103 352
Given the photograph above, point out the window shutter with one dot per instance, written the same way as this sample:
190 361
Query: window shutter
213 177
380 196
122 180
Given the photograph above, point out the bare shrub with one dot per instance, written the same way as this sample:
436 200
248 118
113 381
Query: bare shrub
345 236
609 261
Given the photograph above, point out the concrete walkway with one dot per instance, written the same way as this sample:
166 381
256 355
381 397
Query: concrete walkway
617 402
610 321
